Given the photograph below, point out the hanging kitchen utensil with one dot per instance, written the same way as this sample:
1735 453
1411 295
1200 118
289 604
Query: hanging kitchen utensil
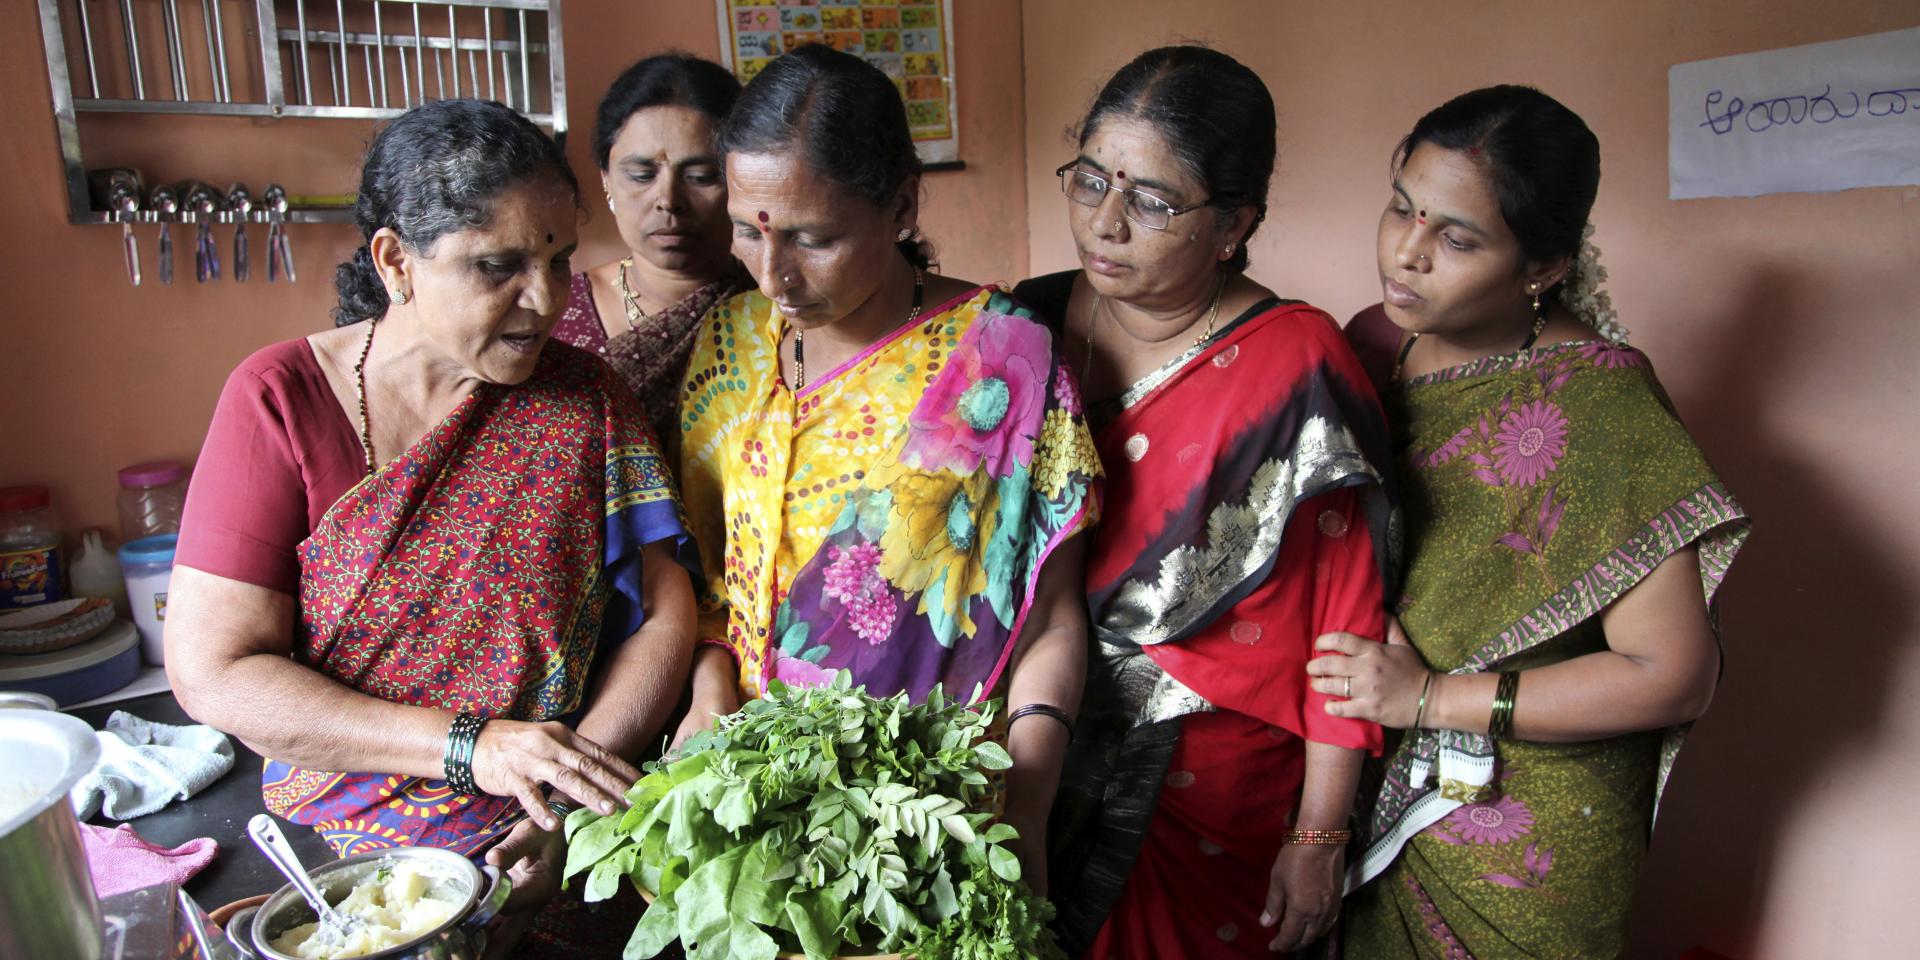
203 204
240 203
124 201
163 202
279 248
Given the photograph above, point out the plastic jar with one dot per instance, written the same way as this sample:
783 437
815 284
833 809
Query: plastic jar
29 548
148 565
151 497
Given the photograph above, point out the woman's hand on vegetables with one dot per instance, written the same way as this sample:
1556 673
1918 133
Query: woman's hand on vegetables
1370 680
512 759
533 859
708 706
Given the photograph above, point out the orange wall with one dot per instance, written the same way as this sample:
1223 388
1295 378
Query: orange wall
1784 326
100 374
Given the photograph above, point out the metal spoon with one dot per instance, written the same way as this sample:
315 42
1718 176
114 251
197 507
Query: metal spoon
125 204
240 204
201 203
162 202
279 248
335 926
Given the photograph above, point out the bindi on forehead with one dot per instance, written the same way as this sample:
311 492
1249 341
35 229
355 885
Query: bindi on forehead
549 238
1119 174
764 219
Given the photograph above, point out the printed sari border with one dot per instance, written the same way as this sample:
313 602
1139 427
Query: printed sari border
1694 517
926 316
1501 363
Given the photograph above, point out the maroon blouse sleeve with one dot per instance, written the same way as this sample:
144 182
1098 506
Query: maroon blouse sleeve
269 467
1376 341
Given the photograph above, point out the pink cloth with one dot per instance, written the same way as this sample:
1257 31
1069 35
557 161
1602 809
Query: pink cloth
122 860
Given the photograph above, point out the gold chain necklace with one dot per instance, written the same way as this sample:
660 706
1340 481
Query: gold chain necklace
360 393
1103 304
1407 351
627 299
800 336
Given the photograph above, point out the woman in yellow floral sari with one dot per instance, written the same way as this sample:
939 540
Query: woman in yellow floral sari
888 468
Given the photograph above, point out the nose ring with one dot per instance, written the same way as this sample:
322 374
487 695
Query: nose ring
1116 225
1421 257
786 278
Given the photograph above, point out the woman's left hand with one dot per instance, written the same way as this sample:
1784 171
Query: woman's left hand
1303 894
1374 681
533 859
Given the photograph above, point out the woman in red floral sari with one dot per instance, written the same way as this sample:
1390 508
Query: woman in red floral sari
428 564
1207 793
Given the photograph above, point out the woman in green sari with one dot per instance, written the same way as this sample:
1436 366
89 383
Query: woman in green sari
1565 539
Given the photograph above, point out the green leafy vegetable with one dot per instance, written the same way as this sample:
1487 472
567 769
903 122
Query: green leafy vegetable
826 822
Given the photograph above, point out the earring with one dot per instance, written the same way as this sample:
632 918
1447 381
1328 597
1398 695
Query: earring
1228 249
1534 289
610 204
399 297
905 234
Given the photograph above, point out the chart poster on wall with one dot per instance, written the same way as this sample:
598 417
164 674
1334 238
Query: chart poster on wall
911 41
1814 118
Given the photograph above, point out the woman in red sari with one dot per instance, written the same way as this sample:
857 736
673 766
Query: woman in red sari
428 563
1208 792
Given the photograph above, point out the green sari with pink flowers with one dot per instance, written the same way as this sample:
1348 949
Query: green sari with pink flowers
1539 488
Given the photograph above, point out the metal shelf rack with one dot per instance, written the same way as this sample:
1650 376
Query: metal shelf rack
328 59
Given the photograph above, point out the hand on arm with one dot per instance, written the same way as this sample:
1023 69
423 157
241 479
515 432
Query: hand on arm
1659 669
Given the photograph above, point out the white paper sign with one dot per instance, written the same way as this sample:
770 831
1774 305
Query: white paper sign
1826 116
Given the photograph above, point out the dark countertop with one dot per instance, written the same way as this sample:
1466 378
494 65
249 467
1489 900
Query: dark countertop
221 811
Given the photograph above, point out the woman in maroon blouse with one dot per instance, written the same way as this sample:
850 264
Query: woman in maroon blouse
428 563
654 142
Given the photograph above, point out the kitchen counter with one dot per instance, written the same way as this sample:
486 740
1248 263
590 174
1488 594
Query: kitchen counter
221 811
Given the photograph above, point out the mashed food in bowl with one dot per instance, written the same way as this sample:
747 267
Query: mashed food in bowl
396 904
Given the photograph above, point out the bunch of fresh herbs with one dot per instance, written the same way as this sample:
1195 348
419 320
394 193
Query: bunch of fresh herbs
818 820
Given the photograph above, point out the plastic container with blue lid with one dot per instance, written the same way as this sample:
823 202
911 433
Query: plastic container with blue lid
148 566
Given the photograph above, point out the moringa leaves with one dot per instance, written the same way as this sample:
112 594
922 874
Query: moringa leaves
822 821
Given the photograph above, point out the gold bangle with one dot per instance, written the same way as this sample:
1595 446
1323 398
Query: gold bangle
1421 710
1313 838
1500 721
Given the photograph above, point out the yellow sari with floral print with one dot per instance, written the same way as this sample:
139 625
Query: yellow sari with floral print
890 518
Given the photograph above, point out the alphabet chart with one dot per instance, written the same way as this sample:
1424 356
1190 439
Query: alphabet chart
909 40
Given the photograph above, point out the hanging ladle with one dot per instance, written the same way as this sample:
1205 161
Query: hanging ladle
163 202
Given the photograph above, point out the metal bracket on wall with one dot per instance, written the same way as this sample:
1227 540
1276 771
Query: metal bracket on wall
329 59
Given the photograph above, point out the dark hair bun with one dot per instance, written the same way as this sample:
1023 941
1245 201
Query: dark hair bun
844 115
669 79
1544 162
434 171
1215 115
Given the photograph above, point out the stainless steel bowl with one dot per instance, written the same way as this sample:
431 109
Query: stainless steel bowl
464 937
47 907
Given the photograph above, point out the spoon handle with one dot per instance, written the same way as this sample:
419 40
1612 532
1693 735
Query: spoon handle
266 835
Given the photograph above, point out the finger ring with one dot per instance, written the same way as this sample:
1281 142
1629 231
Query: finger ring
1349 693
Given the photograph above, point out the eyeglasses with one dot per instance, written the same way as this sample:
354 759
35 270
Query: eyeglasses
1088 190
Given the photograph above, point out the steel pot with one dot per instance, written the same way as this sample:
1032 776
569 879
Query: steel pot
484 889
47 907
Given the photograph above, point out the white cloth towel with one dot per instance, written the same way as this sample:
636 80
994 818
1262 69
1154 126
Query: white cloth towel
144 766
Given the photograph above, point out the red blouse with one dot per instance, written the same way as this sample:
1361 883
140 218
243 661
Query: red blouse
279 453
